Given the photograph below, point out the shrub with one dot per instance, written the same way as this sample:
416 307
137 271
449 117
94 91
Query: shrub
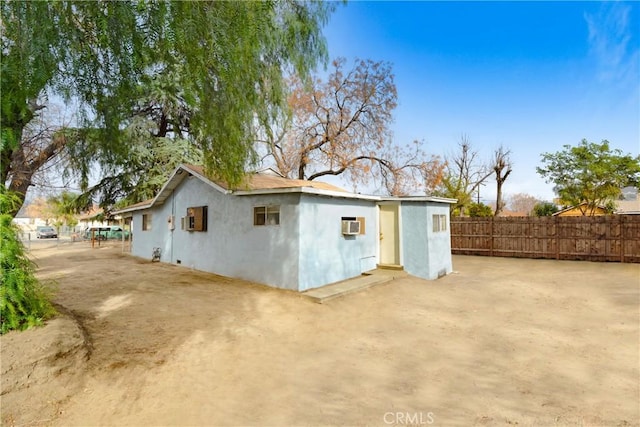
479 210
24 301
544 209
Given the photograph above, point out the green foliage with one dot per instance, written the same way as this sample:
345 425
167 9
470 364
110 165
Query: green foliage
544 209
451 187
227 59
24 302
158 141
64 208
479 210
589 172
610 206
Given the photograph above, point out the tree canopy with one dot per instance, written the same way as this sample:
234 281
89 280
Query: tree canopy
227 58
463 176
589 173
522 202
544 209
479 210
340 126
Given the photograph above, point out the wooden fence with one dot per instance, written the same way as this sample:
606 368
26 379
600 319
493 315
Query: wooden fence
598 238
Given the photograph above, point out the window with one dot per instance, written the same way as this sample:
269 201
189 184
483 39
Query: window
439 223
146 222
196 219
266 215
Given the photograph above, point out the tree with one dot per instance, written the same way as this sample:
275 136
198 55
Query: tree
64 208
479 210
544 209
230 57
521 202
463 176
589 173
24 302
341 127
39 208
502 167
158 141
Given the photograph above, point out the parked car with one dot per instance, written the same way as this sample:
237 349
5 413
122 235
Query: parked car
107 232
115 232
46 233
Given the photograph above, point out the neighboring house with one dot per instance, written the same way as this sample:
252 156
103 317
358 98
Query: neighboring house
291 234
581 210
623 207
628 207
95 217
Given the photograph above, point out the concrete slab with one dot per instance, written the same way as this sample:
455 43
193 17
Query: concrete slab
367 280
387 272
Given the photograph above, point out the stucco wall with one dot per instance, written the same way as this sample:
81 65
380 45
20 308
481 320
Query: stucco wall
440 261
158 236
232 246
326 256
306 250
427 254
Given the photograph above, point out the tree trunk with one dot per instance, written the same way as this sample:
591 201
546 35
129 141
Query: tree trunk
499 202
502 162
22 168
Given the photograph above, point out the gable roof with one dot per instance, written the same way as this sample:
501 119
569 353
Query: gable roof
260 183
600 210
267 180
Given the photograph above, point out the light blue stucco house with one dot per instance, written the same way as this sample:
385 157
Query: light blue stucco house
290 234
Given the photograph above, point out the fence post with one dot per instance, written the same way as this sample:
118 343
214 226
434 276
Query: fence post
557 229
491 237
621 225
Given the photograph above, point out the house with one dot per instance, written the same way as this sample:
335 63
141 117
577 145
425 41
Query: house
93 217
629 204
628 207
291 234
622 207
581 210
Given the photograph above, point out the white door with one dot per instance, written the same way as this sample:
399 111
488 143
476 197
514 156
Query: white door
389 235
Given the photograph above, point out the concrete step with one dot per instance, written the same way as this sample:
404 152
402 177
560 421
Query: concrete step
390 267
328 292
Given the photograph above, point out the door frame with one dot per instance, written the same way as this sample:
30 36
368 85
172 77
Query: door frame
398 236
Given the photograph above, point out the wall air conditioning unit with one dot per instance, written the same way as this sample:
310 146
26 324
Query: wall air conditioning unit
350 228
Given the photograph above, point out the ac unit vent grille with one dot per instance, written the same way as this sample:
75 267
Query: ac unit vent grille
350 228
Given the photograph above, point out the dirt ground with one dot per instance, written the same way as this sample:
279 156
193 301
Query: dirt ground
499 342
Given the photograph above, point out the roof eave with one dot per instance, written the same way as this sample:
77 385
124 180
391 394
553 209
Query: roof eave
340 194
172 183
418 199
304 190
131 209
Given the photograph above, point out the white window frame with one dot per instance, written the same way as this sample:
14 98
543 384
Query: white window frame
439 223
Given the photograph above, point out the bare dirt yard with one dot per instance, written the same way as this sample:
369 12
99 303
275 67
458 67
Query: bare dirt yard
499 342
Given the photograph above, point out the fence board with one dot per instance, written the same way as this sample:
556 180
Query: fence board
599 238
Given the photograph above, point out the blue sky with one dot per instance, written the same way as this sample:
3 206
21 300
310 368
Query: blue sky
532 76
